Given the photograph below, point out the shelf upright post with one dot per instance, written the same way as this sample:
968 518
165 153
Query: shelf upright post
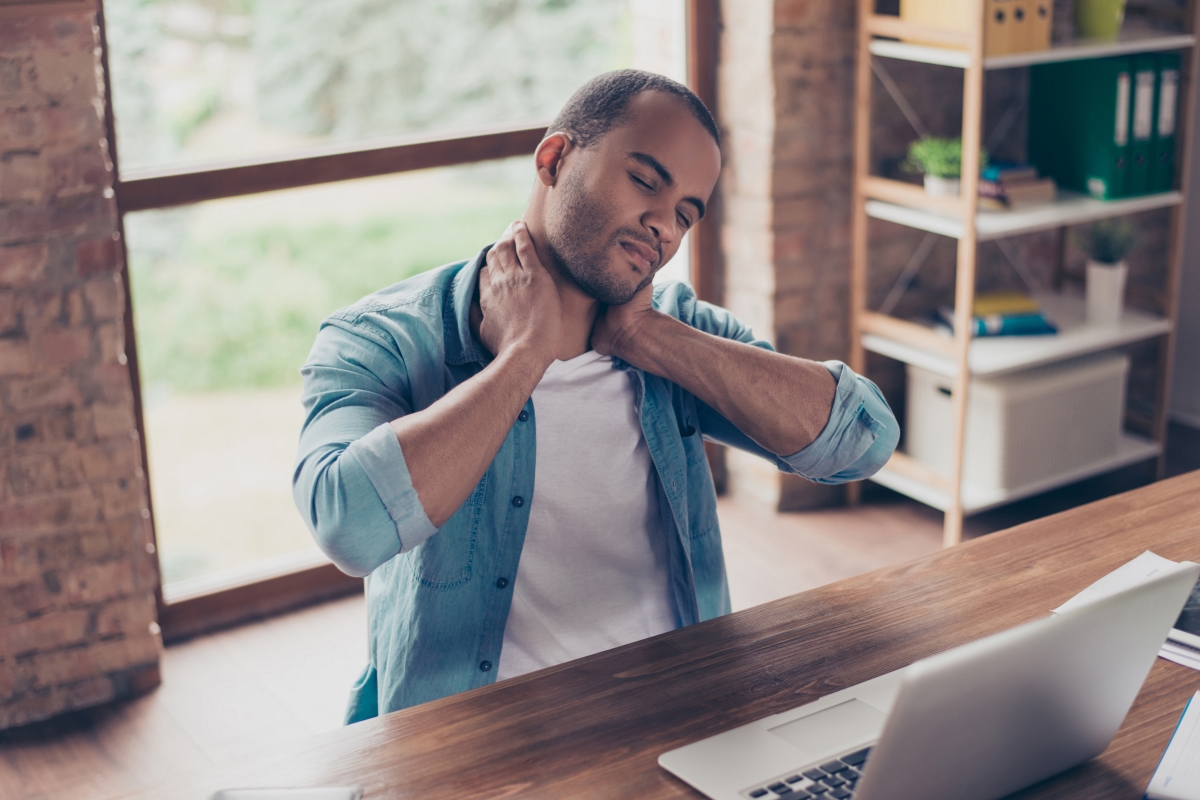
858 222
1175 241
964 285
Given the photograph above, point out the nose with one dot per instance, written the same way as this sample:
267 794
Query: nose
662 225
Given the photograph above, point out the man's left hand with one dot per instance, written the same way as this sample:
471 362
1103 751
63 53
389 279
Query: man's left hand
618 328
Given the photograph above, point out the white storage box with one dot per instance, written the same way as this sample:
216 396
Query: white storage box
1021 427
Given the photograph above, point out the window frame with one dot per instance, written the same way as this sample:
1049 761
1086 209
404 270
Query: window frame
141 190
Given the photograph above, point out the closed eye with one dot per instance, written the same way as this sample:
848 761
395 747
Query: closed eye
641 182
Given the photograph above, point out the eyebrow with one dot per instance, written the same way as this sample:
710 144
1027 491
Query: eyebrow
656 165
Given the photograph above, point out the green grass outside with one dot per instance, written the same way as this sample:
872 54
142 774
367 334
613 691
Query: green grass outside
241 310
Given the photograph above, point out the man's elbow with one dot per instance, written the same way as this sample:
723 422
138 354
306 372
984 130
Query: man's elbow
342 523
335 539
887 436
879 453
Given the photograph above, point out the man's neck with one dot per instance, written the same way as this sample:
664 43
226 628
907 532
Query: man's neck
578 315
578 308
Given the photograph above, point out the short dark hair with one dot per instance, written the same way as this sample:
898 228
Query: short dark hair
602 104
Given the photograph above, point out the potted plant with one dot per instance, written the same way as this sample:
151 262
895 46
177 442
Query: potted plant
940 161
1106 244
1099 19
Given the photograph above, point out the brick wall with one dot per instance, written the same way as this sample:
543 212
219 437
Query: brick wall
785 94
77 565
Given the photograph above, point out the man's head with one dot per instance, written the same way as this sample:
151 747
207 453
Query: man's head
625 170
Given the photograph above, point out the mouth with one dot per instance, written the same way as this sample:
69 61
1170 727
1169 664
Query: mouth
643 256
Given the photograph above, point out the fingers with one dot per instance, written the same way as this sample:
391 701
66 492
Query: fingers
503 254
526 252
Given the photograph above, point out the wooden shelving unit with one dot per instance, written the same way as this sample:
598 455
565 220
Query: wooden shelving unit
961 357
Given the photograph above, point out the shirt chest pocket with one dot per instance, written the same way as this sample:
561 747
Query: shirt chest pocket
445 560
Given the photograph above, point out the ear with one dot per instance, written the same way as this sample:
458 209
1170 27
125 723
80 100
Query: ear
548 157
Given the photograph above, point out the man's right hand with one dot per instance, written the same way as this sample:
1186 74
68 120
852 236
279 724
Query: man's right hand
518 298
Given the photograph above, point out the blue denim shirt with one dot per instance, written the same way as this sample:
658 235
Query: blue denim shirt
438 598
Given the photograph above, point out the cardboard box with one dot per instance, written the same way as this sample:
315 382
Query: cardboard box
1010 26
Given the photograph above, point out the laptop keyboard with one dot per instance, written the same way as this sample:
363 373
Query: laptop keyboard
832 779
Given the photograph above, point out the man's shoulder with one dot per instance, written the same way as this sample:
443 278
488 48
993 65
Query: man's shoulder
679 300
417 316
417 295
676 299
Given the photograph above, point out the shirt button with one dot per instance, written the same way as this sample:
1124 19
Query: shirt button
485 666
501 582
523 416
518 501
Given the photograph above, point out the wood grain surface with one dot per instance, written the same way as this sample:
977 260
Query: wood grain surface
595 727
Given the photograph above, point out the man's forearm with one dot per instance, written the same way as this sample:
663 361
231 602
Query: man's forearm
781 402
449 445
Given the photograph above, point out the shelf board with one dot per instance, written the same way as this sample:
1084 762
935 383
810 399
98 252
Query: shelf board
1069 209
1129 42
1131 449
996 355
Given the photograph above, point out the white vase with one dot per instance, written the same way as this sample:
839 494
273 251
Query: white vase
942 187
1105 292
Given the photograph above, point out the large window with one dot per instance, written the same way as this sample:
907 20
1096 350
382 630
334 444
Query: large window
279 159
197 81
228 296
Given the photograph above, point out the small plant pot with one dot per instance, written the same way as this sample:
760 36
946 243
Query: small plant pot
1099 19
1105 292
943 187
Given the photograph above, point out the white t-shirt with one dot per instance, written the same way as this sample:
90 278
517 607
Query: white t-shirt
593 572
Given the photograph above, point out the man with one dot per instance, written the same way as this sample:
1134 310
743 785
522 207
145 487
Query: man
511 446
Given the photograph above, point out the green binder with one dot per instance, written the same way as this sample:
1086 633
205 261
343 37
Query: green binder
1162 171
1141 123
1079 124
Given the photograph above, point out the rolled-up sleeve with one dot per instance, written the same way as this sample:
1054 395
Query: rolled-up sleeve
351 483
859 437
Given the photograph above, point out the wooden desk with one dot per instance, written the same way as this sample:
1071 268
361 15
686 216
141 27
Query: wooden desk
595 727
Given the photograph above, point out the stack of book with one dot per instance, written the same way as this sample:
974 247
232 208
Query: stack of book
1001 314
1008 186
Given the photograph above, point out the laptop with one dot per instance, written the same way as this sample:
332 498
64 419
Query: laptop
973 723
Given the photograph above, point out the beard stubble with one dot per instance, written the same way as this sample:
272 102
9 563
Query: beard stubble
575 238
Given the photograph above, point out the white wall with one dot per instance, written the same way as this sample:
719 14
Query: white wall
1185 392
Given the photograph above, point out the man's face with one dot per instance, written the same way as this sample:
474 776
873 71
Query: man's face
623 203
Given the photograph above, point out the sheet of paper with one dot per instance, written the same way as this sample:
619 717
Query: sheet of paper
316 793
1139 570
1185 639
1186 657
1178 774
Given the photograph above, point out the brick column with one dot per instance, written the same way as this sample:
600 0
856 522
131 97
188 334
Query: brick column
78 572
786 105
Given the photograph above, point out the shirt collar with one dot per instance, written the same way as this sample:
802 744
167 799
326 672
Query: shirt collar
463 347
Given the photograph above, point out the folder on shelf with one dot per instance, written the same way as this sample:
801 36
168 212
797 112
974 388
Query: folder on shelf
1001 31
1031 25
1079 116
1162 170
1141 123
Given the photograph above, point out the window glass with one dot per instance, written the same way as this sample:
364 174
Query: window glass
227 299
210 80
